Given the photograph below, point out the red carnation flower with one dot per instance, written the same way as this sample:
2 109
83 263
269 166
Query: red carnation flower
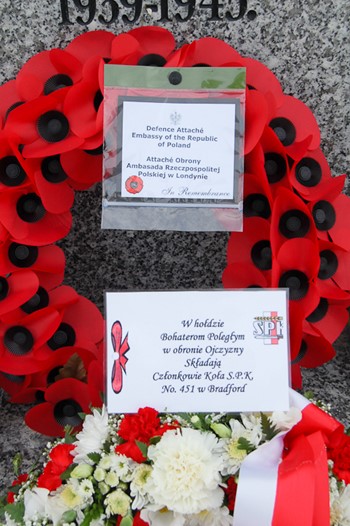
61 459
341 458
231 491
141 427
17 482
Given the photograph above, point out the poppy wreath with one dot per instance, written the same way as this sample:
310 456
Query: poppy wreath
296 219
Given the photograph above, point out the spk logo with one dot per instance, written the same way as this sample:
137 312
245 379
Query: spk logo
268 327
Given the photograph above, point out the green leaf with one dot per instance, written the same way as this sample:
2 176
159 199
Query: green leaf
243 443
69 438
66 474
69 516
93 513
142 447
155 440
127 521
268 428
95 457
17 463
15 511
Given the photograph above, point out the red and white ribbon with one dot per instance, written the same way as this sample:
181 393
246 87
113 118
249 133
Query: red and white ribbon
285 481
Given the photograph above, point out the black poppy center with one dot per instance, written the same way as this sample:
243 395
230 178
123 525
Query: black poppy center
40 300
275 167
57 82
51 377
63 337
152 59
4 288
284 129
11 172
261 255
324 215
328 264
66 413
297 283
95 151
256 205
15 378
18 340
320 312
30 208
53 126
301 353
308 172
22 256
52 170
98 99
294 223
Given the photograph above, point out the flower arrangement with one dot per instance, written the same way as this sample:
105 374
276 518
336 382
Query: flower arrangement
182 470
51 337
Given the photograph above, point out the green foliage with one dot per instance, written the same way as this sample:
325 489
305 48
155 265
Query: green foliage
15 511
268 428
142 447
95 457
66 474
69 516
243 443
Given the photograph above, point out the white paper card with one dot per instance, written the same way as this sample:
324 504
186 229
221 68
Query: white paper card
178 150
197 351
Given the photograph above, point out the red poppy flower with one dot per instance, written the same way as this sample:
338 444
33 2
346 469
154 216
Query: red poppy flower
142 426
291 219
16 289
46 72
83 102
333 275
332 218
9 99
48 262
207 51
83 167
66 362
311 176
64 401
17 482
260 78
13 383
295 267
57 298
27 220
329 319
254 245
20 342
81 325
243 275
314 351
15 173
256 117
293 122
258 200
155 46
134 184
42 126
61 459
275 161
91 44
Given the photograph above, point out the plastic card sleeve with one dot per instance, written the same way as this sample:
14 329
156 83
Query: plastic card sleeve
173 148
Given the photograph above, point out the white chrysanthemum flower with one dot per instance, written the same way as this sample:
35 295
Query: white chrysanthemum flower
186 472
218 517
117 503
92 437
232 454
138 486
86 491
119 464
340 504
162 518
285 420
35 503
